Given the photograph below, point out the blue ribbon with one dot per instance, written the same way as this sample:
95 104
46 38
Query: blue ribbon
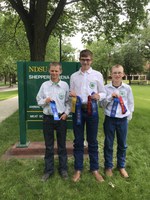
114 107
94 106
54 110
78 110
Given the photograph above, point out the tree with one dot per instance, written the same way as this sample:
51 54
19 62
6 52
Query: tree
102 57
40 18
130 57
14 46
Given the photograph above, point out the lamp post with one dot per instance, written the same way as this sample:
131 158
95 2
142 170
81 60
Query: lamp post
60 48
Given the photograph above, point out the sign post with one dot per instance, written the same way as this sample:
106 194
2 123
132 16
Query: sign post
30 77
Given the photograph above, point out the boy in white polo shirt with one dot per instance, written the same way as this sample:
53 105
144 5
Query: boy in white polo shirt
119 106
51 92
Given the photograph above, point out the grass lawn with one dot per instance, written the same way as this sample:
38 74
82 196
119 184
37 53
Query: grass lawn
8 94
20 178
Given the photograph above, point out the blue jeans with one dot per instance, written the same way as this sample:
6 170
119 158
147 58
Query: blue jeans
49 125
112 126
91 123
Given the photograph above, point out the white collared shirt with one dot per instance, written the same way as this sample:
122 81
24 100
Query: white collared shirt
86 83
126 92
59 92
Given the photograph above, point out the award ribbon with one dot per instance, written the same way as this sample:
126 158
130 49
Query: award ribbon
78 110
89 105
124 110
73 106
94 106
54 110
114 107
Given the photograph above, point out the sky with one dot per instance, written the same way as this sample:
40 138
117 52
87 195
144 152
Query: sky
76 42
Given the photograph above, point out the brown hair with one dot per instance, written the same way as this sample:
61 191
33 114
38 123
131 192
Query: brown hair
86 53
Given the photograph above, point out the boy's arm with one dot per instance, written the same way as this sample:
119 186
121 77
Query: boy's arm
67 101
101 89
130 103
40 98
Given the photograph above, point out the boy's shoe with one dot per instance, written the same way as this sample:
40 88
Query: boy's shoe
123 173
109 172
76 176
46 176
64 174
97 175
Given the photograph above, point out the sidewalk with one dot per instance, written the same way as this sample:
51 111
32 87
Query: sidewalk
7 88
9 106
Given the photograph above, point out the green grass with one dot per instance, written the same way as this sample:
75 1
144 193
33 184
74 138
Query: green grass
20 178
3 84
8 94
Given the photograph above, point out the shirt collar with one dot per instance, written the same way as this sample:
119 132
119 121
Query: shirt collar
87 71
53 83
111 85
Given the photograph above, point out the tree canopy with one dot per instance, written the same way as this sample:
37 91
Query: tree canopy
42 18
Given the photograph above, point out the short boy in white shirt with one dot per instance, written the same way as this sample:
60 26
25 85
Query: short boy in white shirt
118 109
54 90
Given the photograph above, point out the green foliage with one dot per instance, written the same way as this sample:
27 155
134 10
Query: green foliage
145 42
20 178
102 56
53 50
130 57
13 43
114 18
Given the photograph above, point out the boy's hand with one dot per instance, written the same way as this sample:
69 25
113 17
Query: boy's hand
63 117
48 99
72 94
95 96
114 95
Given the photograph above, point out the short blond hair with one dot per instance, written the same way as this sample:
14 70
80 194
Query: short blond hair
56 64
117 66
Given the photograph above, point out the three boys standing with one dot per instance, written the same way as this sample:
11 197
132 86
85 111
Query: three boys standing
87 89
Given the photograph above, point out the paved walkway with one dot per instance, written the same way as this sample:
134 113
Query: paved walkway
9 106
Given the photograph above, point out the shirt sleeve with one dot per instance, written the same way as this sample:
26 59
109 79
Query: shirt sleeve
40 98
101 88
130 101
71 84
67 101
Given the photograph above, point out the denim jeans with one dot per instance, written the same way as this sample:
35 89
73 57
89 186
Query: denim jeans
49 126
112 126
91 123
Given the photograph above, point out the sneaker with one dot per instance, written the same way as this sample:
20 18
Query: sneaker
64 174
45 177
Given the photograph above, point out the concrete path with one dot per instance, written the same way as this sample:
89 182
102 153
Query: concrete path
9 106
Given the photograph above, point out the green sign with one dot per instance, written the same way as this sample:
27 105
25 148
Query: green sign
30 77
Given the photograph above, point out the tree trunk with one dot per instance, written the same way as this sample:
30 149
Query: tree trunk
14 79
38 49
37 24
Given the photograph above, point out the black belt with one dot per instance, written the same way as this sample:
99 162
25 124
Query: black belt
59 114
84 107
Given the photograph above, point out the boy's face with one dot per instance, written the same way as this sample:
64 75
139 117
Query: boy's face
55 72
117 74
86 62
